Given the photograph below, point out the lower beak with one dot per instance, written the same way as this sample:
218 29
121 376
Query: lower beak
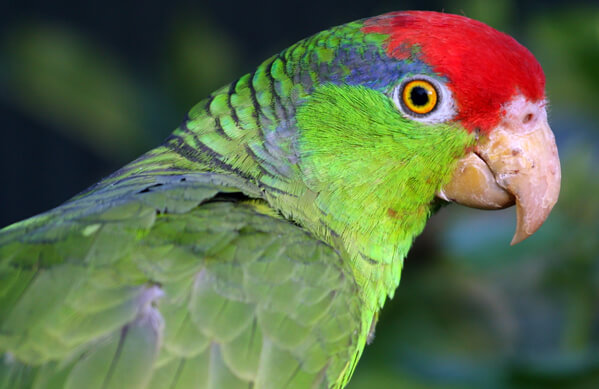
513 163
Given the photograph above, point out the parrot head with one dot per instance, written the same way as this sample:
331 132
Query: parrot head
498 92
407 108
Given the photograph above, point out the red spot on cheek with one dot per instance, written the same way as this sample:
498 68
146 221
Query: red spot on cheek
392 213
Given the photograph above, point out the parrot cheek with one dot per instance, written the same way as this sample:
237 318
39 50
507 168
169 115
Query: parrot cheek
516 162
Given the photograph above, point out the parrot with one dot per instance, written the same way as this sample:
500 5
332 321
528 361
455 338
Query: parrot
256 246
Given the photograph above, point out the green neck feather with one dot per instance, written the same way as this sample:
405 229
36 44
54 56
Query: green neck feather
376 175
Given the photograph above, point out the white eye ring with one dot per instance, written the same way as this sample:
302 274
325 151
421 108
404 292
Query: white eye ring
445 109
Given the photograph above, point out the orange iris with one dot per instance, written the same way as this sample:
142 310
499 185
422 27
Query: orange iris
419 96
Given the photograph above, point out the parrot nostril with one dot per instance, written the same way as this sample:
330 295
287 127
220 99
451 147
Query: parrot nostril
527 118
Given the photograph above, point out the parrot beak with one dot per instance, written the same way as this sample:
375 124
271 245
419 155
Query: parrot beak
517 161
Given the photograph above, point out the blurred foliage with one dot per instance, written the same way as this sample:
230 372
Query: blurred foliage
62 77
80 96
567 43
201 57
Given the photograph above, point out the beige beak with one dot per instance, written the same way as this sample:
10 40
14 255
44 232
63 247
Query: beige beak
516 162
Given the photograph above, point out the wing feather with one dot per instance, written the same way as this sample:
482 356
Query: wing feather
165 283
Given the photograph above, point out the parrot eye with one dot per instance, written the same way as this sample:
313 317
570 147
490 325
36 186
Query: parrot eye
419 96
424 99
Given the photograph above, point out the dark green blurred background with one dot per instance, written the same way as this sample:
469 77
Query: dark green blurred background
87 86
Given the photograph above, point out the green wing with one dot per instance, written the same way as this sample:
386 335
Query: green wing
172 282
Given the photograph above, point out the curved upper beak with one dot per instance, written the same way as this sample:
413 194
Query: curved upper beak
517 161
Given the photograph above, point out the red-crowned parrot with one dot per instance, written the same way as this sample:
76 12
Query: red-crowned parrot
255 247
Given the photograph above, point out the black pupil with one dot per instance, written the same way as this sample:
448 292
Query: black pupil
419 96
